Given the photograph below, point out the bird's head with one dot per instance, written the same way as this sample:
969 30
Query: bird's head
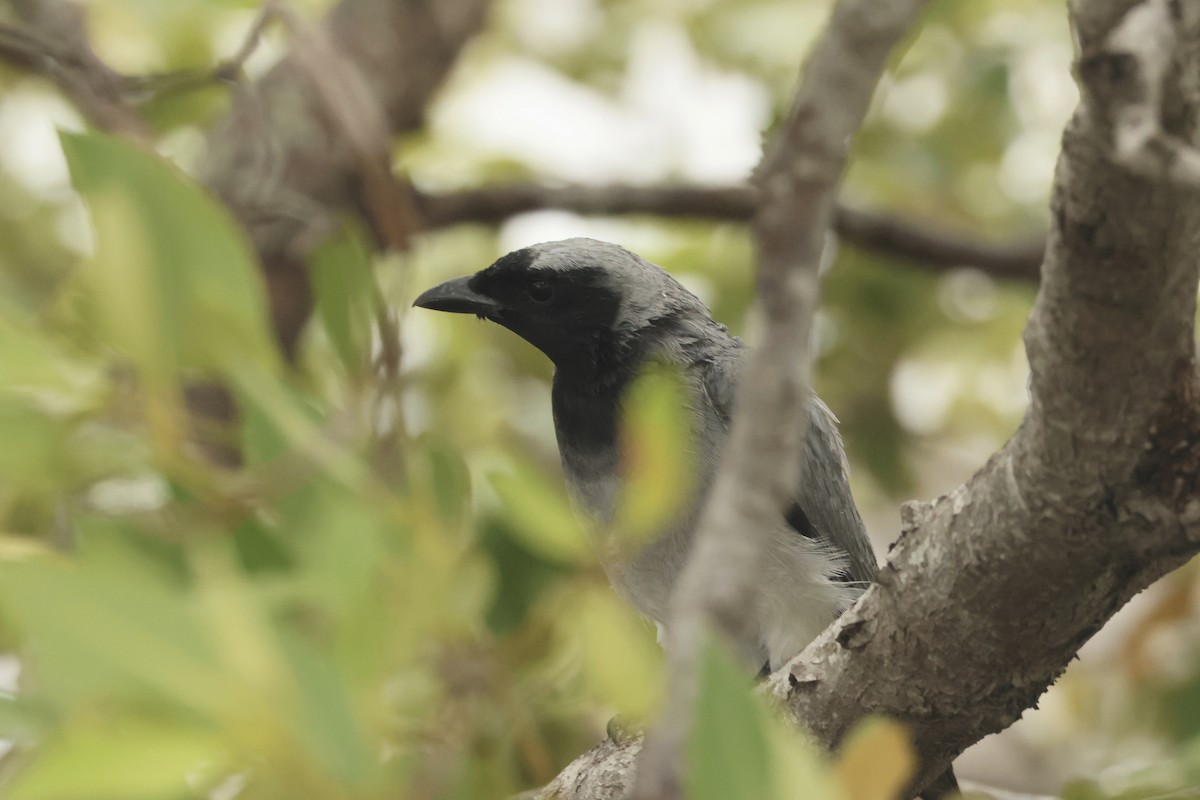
576 300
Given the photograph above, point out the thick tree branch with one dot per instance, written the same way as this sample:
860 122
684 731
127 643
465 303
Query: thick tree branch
990 591
925 246
797 180
1125 74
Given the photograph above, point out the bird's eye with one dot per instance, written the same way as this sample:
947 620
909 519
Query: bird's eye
540 291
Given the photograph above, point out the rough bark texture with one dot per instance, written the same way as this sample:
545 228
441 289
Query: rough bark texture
991 590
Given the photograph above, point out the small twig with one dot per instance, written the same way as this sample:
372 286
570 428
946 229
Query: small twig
53 42
388 393
266 15
142 88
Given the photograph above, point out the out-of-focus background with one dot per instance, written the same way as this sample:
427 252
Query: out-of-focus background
389 595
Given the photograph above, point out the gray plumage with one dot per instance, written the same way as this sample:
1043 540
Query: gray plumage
602 314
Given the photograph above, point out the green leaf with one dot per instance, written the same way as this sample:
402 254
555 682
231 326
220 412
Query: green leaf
522 577
36 452
130 760
173 283
22 720
450 482
728 748
1190 759
265 433
339 541
876 761
329 725
283 419
1182 707
656 447
34 364
800 769
607 626
542 519
259 548
344 285
117 614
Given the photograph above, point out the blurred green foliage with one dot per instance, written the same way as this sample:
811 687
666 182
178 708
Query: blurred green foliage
390 596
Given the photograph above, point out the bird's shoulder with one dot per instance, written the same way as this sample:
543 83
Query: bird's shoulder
717 367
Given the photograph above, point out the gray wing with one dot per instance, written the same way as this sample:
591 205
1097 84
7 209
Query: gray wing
823 509
824 494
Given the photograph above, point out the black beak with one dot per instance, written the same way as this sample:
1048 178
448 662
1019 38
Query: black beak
457 297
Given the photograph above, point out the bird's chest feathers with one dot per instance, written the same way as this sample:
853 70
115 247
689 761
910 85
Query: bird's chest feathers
585 421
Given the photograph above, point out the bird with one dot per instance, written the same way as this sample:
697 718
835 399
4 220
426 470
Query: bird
602 315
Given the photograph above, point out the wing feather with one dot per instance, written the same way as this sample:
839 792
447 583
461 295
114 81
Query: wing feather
823 508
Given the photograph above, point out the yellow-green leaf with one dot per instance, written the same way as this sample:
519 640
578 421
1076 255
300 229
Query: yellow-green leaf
173 283
129 760
541 517
799 766
35 364
656 454
728 748
343 283
622 662
135 632
876 762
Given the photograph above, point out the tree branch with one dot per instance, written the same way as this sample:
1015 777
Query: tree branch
990 591
1125 76
142 87
797 179
935 249
54 42
924 246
